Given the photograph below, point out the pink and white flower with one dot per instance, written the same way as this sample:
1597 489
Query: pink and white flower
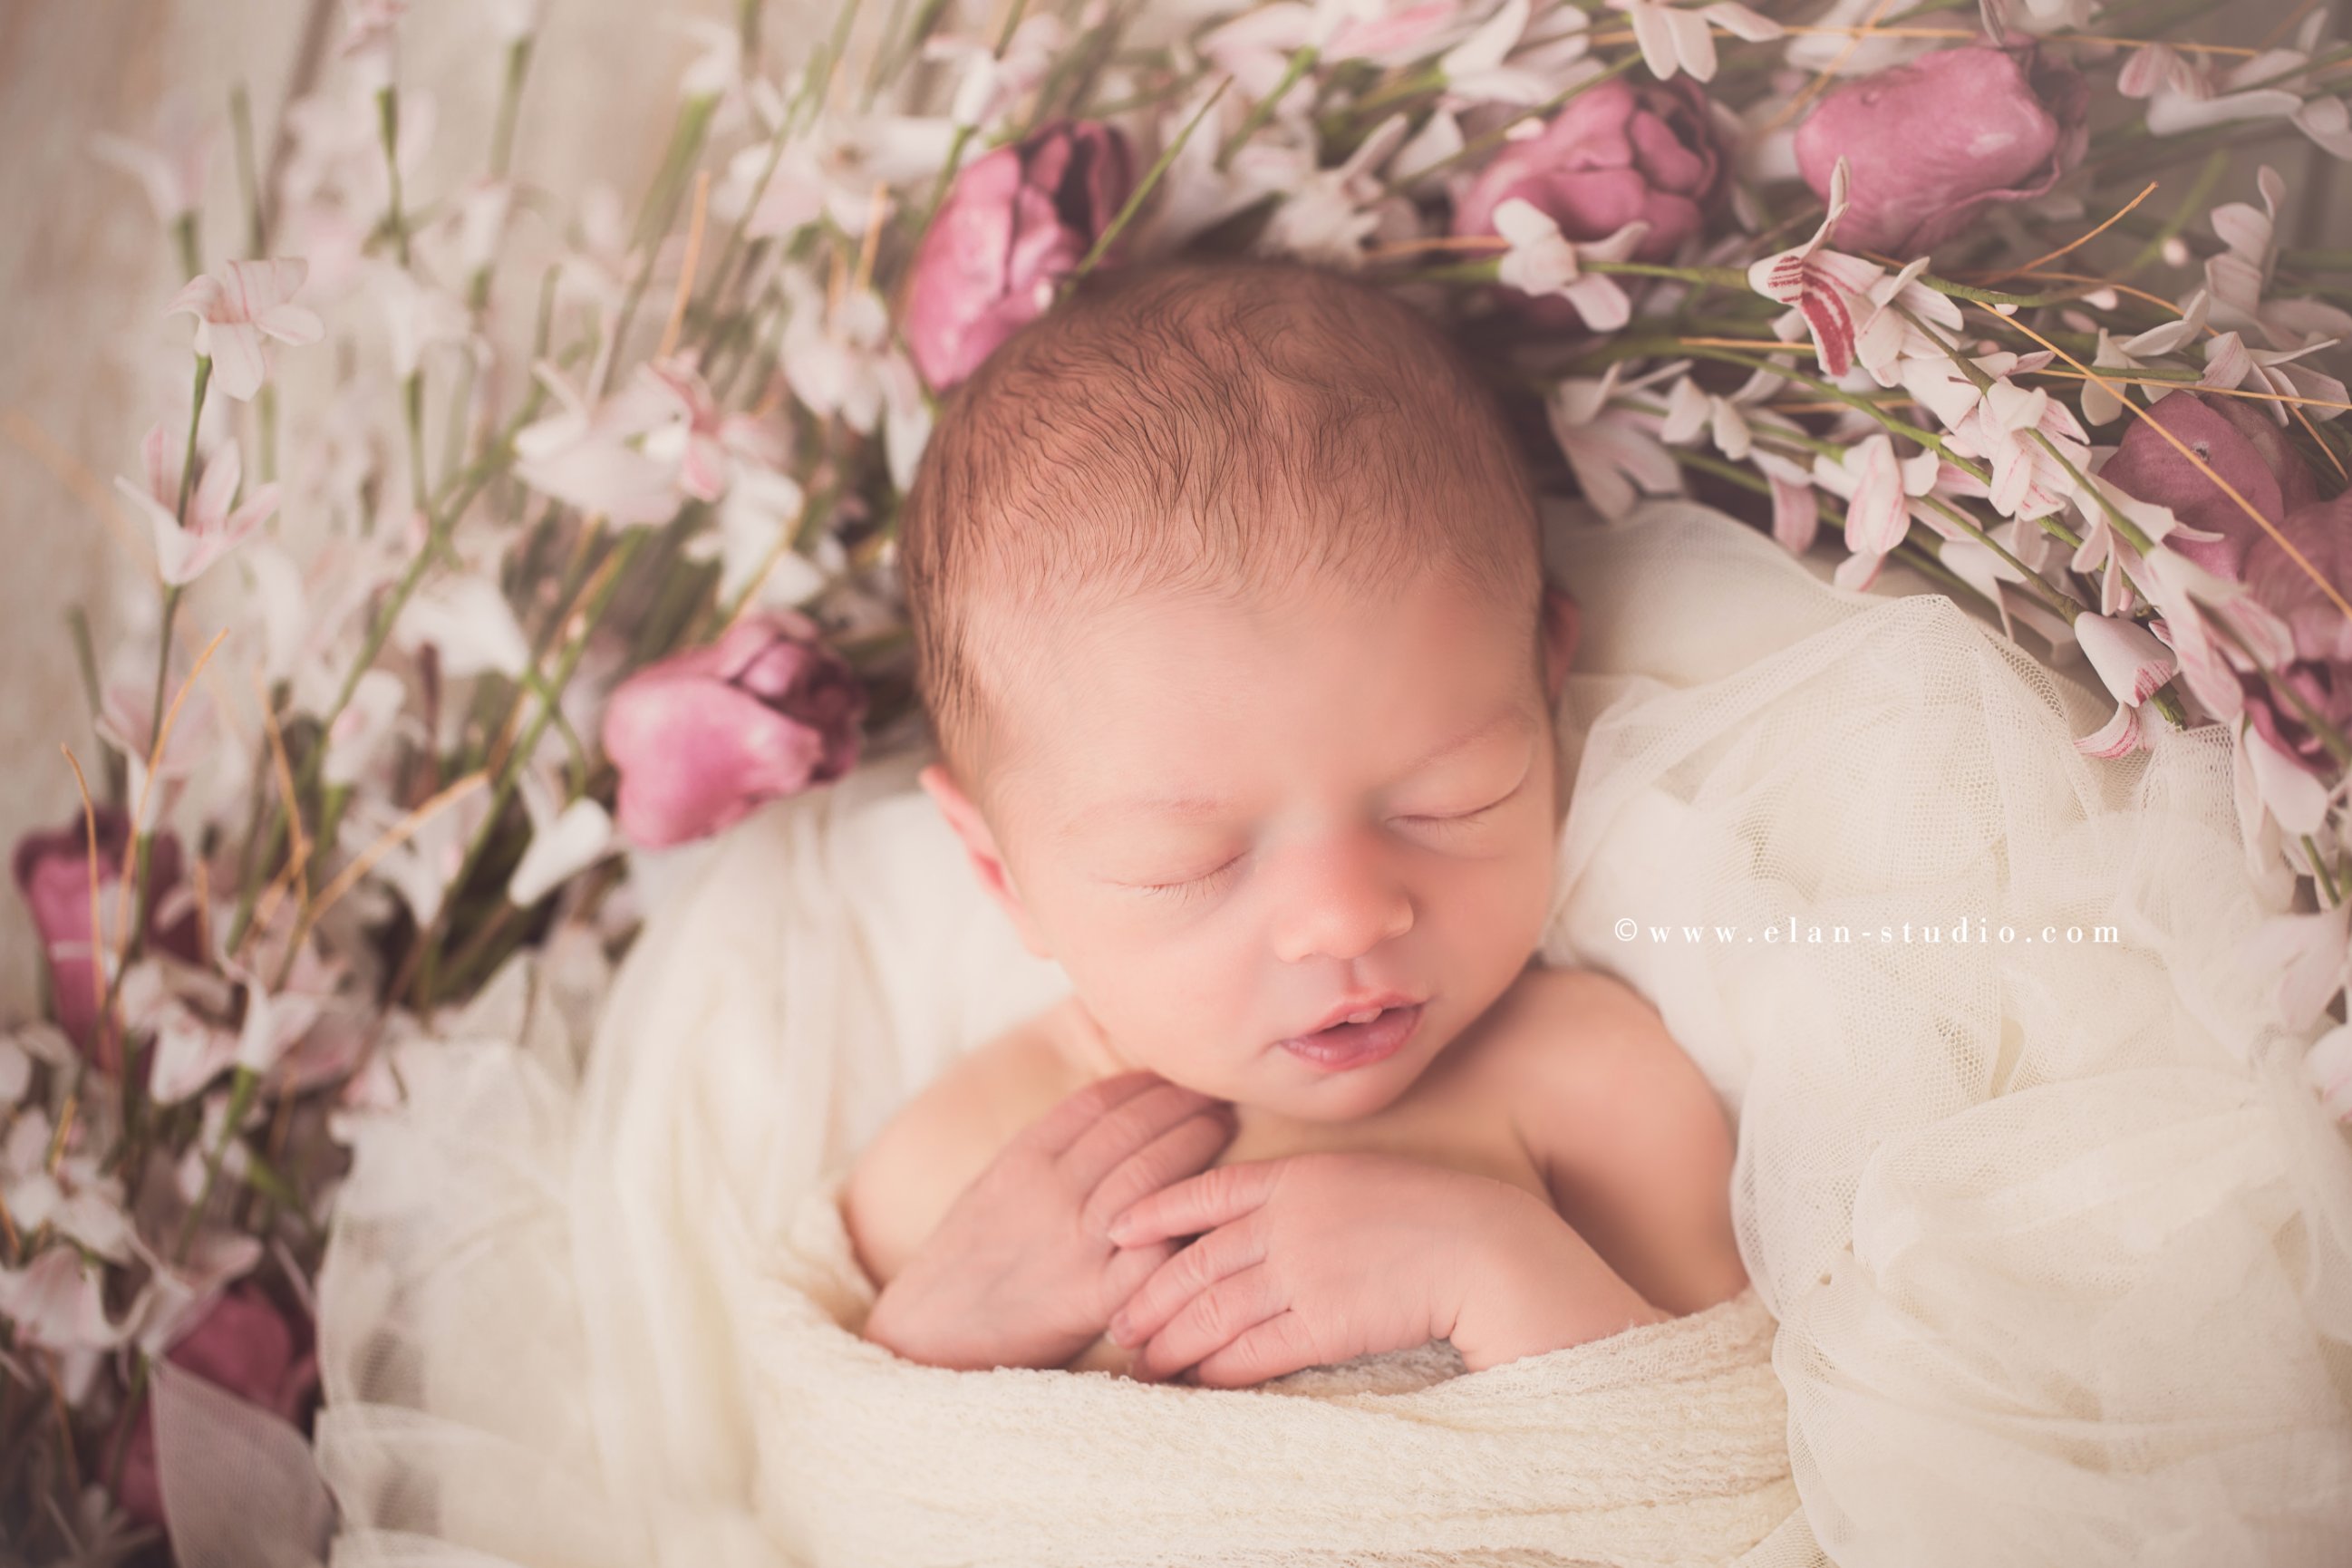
1827 290
186 549
1879 489
1615 451
1674 40
171 165
1540 262
592 456
234 313
2134 666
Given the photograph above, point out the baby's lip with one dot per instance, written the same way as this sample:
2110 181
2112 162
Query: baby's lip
1382 1000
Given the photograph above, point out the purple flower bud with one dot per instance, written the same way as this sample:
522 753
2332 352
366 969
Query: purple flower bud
2321 533
1930 146
245 1346
1616 154
703 737
1014 225
2241 445
53 876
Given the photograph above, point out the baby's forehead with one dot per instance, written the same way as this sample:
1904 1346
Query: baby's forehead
1270 662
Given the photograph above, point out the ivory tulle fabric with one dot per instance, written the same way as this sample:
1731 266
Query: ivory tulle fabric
2058 1243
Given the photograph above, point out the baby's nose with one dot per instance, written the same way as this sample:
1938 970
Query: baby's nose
1342 897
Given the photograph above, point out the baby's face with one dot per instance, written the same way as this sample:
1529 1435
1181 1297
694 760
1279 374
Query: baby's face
1229 822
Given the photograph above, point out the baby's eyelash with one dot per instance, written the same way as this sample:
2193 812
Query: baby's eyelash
1483 811
1193 889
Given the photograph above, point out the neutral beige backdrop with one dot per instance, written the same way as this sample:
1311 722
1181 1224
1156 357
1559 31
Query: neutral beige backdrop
85 272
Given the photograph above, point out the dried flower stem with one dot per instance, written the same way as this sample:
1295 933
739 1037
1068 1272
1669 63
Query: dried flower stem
98 984
2073 245
685 269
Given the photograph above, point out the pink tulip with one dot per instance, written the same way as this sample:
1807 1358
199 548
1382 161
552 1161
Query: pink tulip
1933 143
53 875
702 737
1617 154
242 1346
2244 447
2321 531
2327 688
1016 223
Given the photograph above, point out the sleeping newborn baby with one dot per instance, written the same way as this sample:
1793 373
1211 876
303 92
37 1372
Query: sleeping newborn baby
1230 622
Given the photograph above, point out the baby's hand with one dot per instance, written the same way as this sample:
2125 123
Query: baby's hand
1021 1271
1319 1257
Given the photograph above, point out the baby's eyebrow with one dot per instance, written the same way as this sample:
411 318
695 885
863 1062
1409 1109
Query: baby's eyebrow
1193 807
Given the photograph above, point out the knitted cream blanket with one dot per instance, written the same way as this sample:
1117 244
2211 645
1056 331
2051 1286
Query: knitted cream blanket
1662 1445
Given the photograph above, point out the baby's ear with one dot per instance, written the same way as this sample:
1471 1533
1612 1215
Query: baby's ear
980 846
1562 623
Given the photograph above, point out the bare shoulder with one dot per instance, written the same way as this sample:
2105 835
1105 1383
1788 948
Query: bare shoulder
1628 1133
905 1181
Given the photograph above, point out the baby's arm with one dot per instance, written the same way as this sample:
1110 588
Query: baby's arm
1013 1266
1632 1141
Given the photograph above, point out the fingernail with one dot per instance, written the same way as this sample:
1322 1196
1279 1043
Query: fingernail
1118 1327
1119 1230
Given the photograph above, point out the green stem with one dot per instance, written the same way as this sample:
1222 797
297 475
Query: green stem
654 221
518 759
2320 866
2209 178
240 1099
387 114
180 513
1302 61
240 114
1112 230
183 238
509 107
412 412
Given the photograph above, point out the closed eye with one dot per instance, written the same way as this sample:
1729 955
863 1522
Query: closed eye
1460 817
1192 888
1202 884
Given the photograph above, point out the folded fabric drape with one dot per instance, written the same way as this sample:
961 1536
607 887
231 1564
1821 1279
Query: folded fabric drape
1662 1444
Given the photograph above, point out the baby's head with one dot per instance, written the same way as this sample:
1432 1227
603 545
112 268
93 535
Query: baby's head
1229 615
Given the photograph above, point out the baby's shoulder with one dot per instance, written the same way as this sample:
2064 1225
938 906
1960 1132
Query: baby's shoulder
1570 1045
904 1181
1567 1021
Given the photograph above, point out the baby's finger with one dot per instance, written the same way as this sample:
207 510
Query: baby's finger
1209 1323
1129 1267
1199 1204
1127 1126
1181 1280
1182 1151
1061 1127
1278 1345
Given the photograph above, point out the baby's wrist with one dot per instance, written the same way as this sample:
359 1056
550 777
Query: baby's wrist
1539 1287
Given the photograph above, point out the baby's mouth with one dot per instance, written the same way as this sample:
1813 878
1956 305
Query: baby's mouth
1350 1044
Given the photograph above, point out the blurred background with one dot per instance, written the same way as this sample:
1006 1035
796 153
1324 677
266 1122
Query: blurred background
85 274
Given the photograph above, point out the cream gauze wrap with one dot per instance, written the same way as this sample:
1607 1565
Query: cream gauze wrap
2054 1243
